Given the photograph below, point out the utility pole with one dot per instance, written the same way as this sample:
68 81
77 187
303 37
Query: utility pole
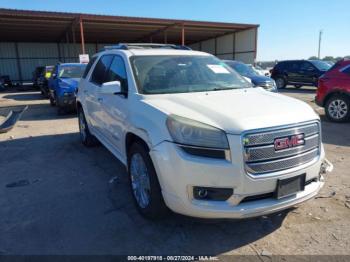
319 44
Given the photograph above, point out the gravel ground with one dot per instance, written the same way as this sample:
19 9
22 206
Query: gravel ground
76 200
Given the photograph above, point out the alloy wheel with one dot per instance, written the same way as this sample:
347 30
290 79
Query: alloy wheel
140 180
338 109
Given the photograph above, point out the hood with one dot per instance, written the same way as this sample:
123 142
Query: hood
235 111
70 83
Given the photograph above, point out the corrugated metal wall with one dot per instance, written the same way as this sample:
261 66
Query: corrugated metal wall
19 60
239 46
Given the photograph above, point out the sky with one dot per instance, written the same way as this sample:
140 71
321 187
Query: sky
288 29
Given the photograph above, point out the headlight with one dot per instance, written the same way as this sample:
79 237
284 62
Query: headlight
197 138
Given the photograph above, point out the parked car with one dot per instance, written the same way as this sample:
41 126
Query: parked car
333 92
63 85
43 80
298 72
256 79
194 135
5 81
38 72
259 70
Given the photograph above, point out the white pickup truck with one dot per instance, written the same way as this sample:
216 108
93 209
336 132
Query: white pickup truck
196 137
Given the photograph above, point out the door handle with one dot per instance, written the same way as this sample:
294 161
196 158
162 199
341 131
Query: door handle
100 99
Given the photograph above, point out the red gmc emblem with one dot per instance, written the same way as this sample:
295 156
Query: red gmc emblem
290 141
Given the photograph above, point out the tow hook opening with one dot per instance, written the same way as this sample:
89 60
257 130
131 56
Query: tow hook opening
326 167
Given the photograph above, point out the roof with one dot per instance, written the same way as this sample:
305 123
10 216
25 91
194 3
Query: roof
42 26
155 52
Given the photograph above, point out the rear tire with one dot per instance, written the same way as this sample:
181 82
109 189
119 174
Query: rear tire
297 86
280 82
337 108
86 137
144 183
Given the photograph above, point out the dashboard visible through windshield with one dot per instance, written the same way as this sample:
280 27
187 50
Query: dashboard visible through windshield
183 74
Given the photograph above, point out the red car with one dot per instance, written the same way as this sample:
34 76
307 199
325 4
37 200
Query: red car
333 92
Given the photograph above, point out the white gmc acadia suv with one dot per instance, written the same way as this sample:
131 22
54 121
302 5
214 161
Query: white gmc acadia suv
196 137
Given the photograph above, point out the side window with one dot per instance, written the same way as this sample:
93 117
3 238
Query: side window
306 66
99 73
293 66
346 70
117 72
89 65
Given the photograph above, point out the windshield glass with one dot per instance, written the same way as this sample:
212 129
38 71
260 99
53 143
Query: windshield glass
242 69
71 71
183 74
321 65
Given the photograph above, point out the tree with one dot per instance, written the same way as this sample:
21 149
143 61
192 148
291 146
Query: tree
313 58
329 58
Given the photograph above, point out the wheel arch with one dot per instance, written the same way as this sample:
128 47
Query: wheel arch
335 92
132 137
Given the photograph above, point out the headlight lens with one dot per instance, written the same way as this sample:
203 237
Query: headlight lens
193 133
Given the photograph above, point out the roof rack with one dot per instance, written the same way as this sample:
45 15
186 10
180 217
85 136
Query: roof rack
128 46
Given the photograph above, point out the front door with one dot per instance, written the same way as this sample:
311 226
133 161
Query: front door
114 106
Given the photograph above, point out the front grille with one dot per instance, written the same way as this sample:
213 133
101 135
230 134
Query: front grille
261 157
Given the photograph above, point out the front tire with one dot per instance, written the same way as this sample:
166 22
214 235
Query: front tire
144 183
338 108
297 86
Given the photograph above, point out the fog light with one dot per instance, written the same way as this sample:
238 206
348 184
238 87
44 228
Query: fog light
202 193
211 193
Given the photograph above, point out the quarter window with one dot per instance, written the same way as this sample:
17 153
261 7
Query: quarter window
99 73
346 70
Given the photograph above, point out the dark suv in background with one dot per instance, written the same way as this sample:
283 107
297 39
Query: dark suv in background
299 72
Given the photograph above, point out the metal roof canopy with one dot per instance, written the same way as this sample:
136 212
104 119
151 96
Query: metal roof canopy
40 26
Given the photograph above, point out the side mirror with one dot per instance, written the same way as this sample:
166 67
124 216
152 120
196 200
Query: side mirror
111 88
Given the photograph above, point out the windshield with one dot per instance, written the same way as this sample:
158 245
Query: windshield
71 71
183 74
243 69
321 65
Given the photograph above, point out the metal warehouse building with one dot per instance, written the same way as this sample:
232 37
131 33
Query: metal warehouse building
33 38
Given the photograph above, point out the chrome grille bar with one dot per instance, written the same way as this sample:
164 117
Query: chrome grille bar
261 157
268 137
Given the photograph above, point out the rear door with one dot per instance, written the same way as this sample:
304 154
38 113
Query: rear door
91 93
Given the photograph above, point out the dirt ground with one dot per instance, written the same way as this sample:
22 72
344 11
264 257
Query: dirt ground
77 201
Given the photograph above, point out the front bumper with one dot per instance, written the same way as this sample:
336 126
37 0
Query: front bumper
179 172
67 101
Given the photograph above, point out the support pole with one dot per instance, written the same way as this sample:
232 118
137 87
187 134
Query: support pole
319 44
183 35
82 35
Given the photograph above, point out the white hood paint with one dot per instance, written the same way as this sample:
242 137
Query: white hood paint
235 111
